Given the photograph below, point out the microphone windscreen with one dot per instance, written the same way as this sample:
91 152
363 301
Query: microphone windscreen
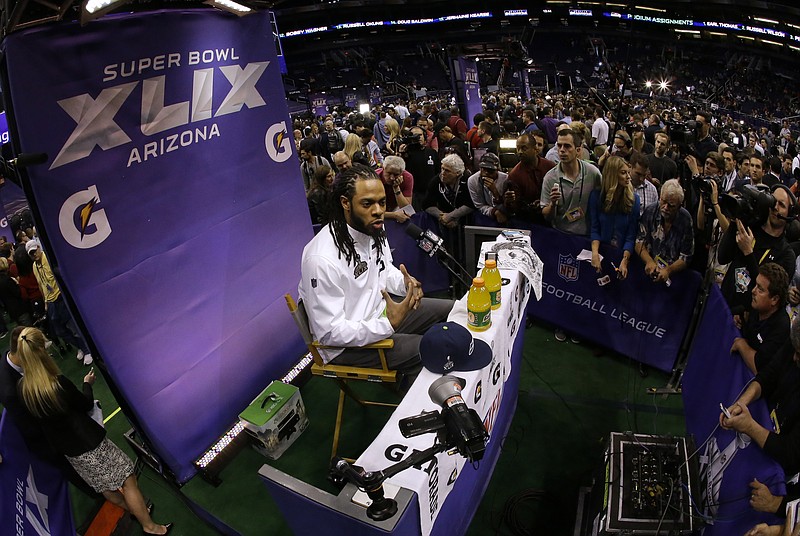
30 159
413 231
444 388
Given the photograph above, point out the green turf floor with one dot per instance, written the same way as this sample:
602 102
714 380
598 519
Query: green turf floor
570 399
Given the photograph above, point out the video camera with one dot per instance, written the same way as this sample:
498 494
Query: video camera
410 140
752 208
703 184
456 426
684 135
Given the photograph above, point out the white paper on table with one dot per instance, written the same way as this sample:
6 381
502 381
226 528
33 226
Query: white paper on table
516 255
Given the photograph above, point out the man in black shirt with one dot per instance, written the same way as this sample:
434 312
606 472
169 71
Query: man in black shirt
422 162
766 328
705 143
779 384
745 249
662 167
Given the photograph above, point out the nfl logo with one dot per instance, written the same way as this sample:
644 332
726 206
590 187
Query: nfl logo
567 268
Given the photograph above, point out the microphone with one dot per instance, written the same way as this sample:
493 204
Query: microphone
463 427
427 241
431 244
28 159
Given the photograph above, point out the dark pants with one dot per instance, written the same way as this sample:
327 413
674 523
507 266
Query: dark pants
404 356
63 325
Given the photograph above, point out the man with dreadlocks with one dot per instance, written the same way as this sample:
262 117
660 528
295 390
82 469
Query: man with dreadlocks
348 281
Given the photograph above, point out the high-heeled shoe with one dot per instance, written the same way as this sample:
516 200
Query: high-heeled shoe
168 526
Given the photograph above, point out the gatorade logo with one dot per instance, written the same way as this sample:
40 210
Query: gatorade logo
82 225
278 143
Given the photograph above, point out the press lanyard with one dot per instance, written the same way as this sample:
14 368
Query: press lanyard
572 191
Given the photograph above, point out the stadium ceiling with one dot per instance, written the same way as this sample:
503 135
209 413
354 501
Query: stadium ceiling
297 14
290 12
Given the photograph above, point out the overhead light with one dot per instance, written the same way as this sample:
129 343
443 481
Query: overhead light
648 84
529 61
746 37
229 5
718 33
772 43
93 9
794 48
768 21
650 9
688 31
663 85
93 6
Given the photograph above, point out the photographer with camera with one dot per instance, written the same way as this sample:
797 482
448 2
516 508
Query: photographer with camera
706 188
758 236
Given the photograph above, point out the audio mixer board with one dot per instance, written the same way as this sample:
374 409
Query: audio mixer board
647 487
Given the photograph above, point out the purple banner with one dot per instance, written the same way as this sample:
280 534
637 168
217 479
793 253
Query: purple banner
169 203
375 95
434 276
470 87
351 99
11 196
13 200
728 461
525 83
34 495
4 135
634 317
319 104
5 226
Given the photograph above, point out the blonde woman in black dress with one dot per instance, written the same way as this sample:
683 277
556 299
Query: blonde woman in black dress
63 413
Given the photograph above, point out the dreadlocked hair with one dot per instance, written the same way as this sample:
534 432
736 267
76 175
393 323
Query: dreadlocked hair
345 186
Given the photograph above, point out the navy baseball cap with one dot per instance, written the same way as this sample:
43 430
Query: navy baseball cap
490 161
448 347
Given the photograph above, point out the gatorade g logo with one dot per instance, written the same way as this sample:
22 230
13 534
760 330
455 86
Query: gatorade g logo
278 143
82 225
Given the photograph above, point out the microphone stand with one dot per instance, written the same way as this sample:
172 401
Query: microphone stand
458 275
371 482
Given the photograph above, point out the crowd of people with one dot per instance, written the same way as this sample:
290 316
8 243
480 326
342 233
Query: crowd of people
681 188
